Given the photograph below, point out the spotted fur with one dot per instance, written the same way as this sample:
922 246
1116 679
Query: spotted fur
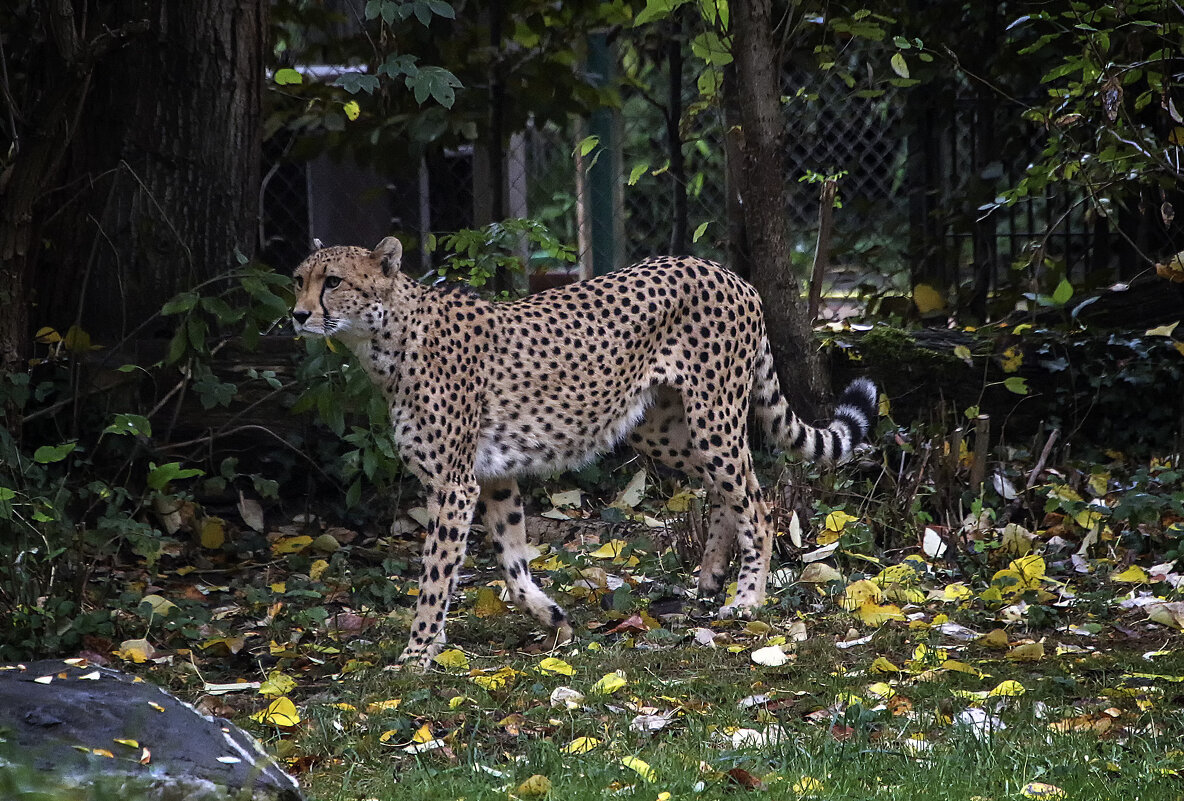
668 354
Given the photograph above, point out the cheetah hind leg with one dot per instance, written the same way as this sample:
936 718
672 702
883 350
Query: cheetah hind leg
501 503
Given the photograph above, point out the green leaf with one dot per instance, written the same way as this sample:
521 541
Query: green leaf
435 82
354 82
179 304
1017 385
134 424
53 453
288 76
1062 293
442 9
656 10
702 229
588 144
899 65
636 173
160 476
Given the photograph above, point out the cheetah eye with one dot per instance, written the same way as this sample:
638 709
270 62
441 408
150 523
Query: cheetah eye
332 281
300 282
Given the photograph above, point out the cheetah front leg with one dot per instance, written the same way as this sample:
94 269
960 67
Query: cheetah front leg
502 506
450 507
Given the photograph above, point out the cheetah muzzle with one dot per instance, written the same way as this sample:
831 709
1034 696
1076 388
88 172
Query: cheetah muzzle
669 354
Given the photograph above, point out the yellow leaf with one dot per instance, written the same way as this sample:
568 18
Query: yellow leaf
455 701
496 680
1162 331
383 706
160 606
280 712
580 745
452 659
317 569
1029 652
423 734
47 336
819 573
352 110
1132 575
1041 790
213 533
610 550
807 785
961 667
534 787
556 666
388 735
1013 357
279 587
128 743
872 614
1169 613
277 684
641 768
882 665
78 341
859 593
609 683
826 537
1031 567
837 521
286 545
927 299
137 651
488 604
955 592
103 752
681 501
1007 689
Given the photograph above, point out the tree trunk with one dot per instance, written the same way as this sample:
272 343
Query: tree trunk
161 184
762 192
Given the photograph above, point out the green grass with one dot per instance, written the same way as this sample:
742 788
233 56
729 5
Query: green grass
837 739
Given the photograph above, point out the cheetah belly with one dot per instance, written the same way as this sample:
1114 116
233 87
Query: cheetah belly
523 447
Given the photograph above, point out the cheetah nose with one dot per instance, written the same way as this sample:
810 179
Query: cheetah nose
301 316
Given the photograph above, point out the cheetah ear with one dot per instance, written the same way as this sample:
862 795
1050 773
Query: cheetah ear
317 245
389 253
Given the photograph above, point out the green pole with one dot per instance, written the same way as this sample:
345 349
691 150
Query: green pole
602 176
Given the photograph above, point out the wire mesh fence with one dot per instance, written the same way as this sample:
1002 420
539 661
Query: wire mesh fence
912 172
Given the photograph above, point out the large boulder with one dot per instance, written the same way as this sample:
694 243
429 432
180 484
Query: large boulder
112 735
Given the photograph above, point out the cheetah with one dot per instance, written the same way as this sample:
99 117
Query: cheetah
668 354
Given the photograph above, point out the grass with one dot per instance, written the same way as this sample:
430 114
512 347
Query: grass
829 726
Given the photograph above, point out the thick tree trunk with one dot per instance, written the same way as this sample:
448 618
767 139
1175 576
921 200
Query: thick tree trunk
164 173
762 192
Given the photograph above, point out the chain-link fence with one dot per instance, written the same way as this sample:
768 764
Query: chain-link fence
912 171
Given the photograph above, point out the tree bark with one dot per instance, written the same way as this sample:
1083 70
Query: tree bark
161 183
762 193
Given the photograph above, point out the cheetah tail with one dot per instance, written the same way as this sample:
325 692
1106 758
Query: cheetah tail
853 416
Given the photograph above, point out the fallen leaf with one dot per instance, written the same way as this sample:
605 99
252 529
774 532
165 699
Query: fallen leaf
770 656
1030 652
819 573
534 787
580 745
807 786
137 651
280 712
452 659
566 697
488 604
556 667
251 511
1041 790
641 767
609 683
277 684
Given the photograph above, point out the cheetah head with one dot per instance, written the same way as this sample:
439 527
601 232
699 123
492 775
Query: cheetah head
340 290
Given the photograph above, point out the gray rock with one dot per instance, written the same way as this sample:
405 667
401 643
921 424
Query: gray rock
54 715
